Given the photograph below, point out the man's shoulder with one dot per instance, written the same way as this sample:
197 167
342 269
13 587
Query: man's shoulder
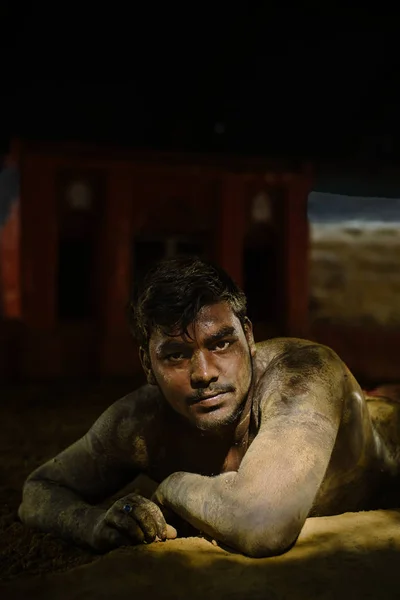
293 367
278 357
145 403
275 348
130 414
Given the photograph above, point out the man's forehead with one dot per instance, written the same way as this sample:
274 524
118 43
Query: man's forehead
209 320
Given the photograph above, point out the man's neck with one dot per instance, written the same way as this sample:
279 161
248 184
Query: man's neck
235 434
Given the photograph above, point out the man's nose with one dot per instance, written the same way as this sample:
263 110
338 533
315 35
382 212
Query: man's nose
203 371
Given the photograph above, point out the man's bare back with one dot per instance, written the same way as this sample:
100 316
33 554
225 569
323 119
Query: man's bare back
245 440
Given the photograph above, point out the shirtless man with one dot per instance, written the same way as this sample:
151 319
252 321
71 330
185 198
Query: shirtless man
245 440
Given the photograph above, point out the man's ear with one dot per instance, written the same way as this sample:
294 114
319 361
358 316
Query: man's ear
146 364
248 331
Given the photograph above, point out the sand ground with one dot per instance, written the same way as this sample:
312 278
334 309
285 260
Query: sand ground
348 556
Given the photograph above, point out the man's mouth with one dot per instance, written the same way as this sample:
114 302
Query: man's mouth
211 399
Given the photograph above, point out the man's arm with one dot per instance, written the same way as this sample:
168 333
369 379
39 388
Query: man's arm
60 495
261 509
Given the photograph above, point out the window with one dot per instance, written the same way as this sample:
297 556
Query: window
74 278
80 211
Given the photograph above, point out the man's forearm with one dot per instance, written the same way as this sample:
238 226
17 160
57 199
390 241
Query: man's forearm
56 509
205 502
224 510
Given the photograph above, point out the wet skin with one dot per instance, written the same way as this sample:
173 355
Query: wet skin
245 440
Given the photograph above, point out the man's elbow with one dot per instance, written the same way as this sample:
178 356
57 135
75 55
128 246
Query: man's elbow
35 499
23 513
263 547
265 542
28 506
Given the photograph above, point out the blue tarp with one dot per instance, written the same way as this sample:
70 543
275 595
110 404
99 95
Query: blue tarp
335 208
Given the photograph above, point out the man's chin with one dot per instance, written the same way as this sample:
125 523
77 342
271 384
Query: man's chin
216 420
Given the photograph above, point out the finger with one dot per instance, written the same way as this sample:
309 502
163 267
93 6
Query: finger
125 524
151 521
149 516
171 533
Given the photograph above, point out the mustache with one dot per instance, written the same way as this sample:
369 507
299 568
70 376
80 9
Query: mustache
203 393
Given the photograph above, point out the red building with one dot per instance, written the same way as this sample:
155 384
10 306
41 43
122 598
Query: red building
92 219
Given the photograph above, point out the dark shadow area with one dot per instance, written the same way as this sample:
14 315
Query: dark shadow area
38 421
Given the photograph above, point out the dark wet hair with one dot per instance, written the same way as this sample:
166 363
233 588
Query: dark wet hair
174 291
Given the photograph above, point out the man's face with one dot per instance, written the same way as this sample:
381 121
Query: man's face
205 377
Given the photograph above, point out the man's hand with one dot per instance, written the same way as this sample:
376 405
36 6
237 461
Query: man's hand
167 497
130 520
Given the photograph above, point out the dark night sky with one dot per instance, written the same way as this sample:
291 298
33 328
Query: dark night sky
309 84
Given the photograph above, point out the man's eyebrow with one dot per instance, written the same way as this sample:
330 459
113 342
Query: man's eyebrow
174 345
219 335
171 346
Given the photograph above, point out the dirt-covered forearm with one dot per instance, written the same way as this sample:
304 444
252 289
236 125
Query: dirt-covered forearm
206 503
51 507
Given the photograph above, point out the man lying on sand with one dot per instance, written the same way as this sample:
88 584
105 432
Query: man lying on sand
245 440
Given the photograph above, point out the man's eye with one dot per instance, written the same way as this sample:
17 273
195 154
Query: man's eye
222 345
175 356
